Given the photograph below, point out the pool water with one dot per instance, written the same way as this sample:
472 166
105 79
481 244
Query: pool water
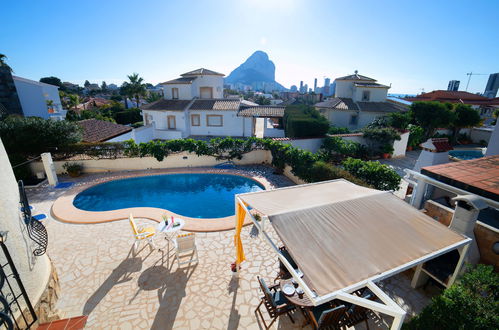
195 195
466 154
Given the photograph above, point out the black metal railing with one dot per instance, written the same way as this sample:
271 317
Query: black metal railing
16 310
36 230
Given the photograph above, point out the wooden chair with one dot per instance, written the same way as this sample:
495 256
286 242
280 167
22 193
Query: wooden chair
283 271
328 317
275 303
358 314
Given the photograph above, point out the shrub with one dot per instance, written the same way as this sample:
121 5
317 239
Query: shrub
338 130
304 121
378 175
471 303
128 116
431 115
322 171
31 136
415 136
380 136
336 148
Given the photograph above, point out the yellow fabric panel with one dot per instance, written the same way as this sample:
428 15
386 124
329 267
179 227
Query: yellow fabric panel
149 230
240 214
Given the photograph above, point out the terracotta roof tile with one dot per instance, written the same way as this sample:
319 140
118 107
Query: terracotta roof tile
262 111
202 71
479 176
95 130
163 104
215 104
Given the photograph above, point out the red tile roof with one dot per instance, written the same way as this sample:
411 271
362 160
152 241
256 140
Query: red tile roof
479 176
95 130
453 97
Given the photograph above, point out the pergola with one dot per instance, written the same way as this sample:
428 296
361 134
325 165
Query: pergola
344 237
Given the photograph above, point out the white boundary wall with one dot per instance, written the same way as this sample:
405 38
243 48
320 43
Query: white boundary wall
180 160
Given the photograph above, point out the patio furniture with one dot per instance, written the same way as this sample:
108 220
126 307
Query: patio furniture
358 314
298 300
283 271
327 316
325 225
274 302
142 233
186 243
170 231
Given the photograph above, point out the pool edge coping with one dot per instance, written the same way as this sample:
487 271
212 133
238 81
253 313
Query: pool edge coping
64 210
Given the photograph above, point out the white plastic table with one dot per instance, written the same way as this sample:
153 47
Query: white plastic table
170 232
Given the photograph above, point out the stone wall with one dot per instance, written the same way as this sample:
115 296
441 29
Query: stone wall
485 235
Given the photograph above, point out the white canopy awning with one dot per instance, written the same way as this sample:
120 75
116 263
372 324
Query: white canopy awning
343 236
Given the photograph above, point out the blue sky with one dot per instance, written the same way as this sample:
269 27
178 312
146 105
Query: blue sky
410 44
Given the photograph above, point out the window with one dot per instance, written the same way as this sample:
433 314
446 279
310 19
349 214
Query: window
366 95
354 119
214 120
174 93
206 92
171 122
195 120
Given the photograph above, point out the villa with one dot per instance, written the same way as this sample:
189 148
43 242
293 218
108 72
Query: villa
358 100
194 106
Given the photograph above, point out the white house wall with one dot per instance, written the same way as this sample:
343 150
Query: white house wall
341 118
184 91
216 82
344 89
375 95
232 124
33 96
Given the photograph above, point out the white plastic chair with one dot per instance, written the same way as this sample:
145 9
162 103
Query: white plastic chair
183 244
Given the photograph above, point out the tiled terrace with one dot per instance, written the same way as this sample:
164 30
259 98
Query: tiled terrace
101 277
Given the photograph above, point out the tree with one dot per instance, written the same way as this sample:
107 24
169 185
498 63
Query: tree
262 100
73 101
152 97
464 116
125 92
86 84
4 64
52 81
103 87
431 115
136 87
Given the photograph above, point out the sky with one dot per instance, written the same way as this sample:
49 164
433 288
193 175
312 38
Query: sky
412 45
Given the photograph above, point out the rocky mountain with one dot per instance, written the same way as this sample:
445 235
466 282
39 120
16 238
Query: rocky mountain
257 72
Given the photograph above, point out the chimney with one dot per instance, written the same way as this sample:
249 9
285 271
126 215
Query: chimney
464 219
435 151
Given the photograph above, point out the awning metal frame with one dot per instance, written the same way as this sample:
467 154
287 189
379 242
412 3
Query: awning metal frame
389 306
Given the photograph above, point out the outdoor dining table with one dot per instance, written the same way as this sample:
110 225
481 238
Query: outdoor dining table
295 298
171 231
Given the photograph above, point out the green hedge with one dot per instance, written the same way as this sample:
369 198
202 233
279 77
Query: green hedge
335 148
128 117
471 303
304 121
378 175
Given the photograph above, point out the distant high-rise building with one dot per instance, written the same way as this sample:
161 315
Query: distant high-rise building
301 86
305 88
315 85
492 86
327 82
453 85
326 89
293 88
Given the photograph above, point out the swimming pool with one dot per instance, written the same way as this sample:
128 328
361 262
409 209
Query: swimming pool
195 195
465 154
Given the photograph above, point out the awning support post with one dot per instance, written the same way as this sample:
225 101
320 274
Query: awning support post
418 193
463 251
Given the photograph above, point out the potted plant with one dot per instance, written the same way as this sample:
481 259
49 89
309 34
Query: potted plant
386 151
73 169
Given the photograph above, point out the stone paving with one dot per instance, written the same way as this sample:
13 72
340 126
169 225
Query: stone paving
102 277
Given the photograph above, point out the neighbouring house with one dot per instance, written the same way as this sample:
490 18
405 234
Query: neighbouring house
358 100
485 105
93 103
194 106
39 99
95 130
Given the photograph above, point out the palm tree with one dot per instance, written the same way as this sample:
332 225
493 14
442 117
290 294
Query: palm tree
136 87
3 64
73 101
